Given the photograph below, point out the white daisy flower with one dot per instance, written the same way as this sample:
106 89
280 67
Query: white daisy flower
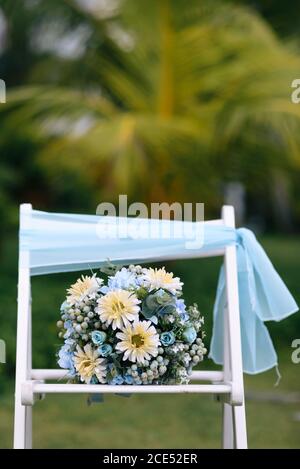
88 363
83 287
159 278
118 308
139 341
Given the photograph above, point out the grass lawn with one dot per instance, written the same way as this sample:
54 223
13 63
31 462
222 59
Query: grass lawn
150 421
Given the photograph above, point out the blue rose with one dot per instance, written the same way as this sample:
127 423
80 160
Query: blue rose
128 379
189 334
167 338
105 350
98 337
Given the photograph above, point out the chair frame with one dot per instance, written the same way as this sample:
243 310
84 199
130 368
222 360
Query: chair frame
227 384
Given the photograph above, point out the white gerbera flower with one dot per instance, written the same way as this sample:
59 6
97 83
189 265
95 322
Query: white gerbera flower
118 307
84 286
139 341
88 363
159 278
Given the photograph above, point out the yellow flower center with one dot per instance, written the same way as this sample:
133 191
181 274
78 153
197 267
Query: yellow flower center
137 340
118 307
86 363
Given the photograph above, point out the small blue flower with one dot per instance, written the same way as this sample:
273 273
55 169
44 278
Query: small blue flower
105 350
64 305
98 337
123 279
189 334
68 326
70 342
117 380
128 379
167 338
66 359
184 317
181 310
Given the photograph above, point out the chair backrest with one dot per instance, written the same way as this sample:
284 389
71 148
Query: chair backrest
51 242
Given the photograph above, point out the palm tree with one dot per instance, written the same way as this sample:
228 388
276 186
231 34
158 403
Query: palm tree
184 95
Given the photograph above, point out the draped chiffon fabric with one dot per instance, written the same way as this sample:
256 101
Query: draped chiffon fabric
55 242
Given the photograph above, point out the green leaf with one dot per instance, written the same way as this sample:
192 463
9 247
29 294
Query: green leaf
151 302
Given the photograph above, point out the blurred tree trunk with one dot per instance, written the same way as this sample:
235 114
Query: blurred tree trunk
280 200
234 194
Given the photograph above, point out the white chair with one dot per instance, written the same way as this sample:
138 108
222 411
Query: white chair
31 383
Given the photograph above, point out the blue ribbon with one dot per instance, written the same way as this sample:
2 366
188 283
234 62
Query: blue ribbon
263 297
63 242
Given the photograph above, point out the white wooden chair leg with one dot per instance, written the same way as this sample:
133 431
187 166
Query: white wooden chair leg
28 427
22 421
239 423
228 433
233 368
23 414
28 416
23 425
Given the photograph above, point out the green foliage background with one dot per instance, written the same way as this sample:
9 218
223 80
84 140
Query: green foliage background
160 100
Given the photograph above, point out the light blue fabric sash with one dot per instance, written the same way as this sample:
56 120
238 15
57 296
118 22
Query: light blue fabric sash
64 242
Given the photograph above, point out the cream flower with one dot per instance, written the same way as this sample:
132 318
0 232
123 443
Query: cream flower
139 341
88 363
84 286
159 278
118 307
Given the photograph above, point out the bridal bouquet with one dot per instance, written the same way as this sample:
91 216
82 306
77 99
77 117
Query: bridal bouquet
132 329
